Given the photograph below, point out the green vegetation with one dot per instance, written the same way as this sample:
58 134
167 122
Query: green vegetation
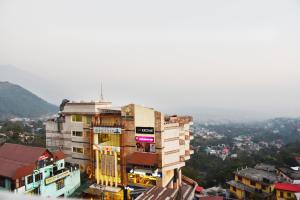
211 171
15 101
27 133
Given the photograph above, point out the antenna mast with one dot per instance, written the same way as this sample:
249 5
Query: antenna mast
101 97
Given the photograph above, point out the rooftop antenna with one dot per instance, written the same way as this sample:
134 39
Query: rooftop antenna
101 97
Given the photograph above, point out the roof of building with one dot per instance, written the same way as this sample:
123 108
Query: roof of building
143 158
258 175
163 193
178 119
212 198
293 174
287 187
20 153
265 167
58 155
18 160
159 193
199 189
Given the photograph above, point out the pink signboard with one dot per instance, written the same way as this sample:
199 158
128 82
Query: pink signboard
144 139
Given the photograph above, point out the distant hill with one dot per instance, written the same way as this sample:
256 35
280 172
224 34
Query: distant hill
16 101
46 89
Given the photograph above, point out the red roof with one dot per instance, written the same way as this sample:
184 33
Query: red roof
287 187
212 198
58 155
199 189
143 158
18 160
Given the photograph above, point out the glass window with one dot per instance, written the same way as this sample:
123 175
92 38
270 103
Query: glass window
76 118
240 178
109 139
88 119
38 177
60 184
252 183
22 182
29 179
2 181
234 188
77 133
77 150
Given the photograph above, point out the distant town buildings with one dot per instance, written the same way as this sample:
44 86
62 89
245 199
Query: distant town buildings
34 170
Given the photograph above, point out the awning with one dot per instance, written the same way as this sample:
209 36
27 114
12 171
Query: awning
143 158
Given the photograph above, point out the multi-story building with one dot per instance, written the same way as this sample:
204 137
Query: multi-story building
137 147
250 183
129 148
34 170
70 132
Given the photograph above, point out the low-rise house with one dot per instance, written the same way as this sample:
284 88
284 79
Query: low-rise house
287 191
252 183
35 170
289 174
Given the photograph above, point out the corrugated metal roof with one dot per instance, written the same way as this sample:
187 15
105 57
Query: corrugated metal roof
18 160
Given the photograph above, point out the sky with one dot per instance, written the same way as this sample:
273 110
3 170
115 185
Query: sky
183 56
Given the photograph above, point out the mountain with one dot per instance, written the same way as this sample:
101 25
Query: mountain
16 101
44 88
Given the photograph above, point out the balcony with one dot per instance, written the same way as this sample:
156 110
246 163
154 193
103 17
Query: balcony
182 159
181 142
187 153
191 136
107 124
192 149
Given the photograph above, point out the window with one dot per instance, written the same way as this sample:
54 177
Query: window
109 139
29 179
77 133
281 194
88 119
22 181
76 118
234 189
252 183
60 184
38 177
2 181
263 187
289 194
240 178
77 150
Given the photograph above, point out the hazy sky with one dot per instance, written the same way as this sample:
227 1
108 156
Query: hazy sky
235 55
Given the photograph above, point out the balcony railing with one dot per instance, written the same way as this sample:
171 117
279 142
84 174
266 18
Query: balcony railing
107 124
187 153
181 142
182 159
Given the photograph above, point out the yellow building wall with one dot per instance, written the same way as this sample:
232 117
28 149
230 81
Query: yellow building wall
246 181
105 179
285 195
238 193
